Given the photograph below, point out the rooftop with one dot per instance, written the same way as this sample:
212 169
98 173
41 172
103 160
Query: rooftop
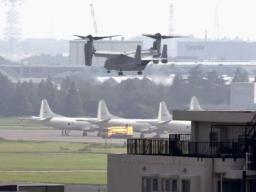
215 116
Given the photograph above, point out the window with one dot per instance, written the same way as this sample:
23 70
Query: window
168 185
174 185
146 184
230 185
185 185
155 184
165 184
251 186
162 184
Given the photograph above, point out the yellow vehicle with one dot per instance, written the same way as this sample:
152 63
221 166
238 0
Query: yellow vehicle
118 132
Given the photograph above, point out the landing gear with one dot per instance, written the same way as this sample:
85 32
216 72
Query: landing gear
100 134
65 132
139 72
85 133
120 73
108 71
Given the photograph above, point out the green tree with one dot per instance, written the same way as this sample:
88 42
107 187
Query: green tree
6 93
49 91
20 102
73 104
241 75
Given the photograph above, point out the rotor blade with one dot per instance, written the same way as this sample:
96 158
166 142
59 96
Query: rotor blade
173 36
149 35
104 37
81 37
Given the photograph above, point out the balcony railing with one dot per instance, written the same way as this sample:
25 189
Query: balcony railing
176 147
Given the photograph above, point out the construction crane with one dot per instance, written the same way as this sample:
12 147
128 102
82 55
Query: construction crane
94 19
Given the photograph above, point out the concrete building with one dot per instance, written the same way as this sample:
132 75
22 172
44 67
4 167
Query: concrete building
36 73
218 156
76 50
216 50
242 95
32 187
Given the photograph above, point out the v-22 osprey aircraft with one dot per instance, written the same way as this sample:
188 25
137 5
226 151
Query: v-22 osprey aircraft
127 61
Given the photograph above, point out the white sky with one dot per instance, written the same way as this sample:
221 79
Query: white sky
63 18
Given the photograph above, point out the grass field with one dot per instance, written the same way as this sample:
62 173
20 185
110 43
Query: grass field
52 161
65 178
16 123
60 147
78 163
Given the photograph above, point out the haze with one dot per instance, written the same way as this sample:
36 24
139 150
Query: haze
63 18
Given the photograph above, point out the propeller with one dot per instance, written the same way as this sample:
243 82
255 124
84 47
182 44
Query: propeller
159 36
90 37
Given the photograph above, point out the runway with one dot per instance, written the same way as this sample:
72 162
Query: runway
55 135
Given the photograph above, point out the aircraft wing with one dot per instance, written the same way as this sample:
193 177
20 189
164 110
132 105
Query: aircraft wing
34 118
93 128
98 122
108 54
164 122
27 118
45 119
155 123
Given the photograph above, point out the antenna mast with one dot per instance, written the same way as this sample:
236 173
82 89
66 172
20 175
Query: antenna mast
94 19
12 31
171 19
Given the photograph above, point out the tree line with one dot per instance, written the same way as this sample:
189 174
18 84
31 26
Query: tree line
79 96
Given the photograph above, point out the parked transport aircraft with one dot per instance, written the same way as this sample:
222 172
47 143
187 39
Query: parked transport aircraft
65 124
162 124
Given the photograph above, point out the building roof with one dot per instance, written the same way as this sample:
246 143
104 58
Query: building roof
215 116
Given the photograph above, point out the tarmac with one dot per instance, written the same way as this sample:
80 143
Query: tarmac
55 135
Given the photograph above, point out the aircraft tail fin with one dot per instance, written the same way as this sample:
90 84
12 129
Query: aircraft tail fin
45 110
103 112
194 104
163 113
138 53
164 56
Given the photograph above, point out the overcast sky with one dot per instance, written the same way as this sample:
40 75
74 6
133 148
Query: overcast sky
63 18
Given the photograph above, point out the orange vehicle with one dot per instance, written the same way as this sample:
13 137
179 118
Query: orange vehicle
118 132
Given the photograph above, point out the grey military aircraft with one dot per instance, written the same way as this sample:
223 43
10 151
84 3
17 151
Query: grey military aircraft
89 49
123 62
116 61
155 50
127 61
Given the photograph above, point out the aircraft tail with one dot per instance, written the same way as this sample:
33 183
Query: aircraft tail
164 56
45 110
163 113
138 53
103 112
194 104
